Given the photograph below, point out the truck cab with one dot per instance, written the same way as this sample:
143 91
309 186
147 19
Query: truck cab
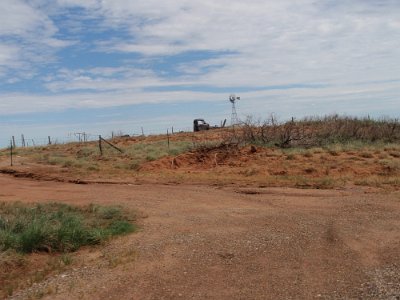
200 125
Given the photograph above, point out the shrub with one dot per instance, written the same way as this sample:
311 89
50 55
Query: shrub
290 156
316 131
308 154
366 155
58 227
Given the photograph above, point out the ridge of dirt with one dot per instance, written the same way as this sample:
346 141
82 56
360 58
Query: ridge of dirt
258 164
41 177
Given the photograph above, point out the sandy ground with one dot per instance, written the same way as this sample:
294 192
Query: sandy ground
200 242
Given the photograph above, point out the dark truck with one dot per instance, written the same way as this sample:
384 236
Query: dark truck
200 125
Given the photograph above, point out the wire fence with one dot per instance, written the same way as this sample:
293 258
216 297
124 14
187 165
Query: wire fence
22 140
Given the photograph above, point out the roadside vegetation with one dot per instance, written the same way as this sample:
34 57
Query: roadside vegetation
322 152
85 158
58 227
56 230
319 132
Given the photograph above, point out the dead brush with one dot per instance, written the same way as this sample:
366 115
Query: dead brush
219 152
315 131
209 147
390 167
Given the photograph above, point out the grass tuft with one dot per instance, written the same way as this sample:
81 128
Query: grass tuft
58 227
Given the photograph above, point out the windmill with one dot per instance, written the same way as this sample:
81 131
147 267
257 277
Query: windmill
234 117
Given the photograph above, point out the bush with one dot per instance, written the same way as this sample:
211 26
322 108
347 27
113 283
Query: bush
58 227
317 132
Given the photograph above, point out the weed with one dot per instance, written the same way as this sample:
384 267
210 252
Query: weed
290 156
108 213
317 150
120 227
67 163
325 183
392 181
250 172
86 152
308 154
151 157
9 290
310 170
390 167
333 152
93 168
366 154
66 259
152 151
317 131
58 227
383 155
395 154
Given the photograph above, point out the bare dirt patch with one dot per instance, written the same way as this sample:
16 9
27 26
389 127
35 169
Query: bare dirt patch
205 242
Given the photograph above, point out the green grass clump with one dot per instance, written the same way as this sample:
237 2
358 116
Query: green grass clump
58 227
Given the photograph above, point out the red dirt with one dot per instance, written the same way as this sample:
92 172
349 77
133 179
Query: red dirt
202 242
267 162
226 164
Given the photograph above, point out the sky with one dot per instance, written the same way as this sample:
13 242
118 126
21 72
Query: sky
98 66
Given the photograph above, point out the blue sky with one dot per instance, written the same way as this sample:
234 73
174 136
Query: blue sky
102 65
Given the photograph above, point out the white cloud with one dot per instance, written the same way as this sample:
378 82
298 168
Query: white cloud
275 42
263 43
7 53
362 99
27 37
108 79
20 19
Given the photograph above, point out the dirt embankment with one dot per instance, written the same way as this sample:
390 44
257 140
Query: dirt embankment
254 162
149 159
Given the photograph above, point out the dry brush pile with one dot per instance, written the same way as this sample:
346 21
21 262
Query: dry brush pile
316 131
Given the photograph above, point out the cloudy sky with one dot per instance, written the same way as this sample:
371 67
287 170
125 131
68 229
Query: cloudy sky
102 65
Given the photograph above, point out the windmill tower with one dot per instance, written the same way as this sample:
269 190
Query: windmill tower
234 117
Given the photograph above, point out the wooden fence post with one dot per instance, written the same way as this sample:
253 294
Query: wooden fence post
100 147
13 141
111 145
142 131
168 138
49 140
23 141
11 153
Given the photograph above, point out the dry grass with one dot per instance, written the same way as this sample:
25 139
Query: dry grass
313 159
317 131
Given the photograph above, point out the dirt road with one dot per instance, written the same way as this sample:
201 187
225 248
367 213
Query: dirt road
199 242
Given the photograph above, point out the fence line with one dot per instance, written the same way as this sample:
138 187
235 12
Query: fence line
23 140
